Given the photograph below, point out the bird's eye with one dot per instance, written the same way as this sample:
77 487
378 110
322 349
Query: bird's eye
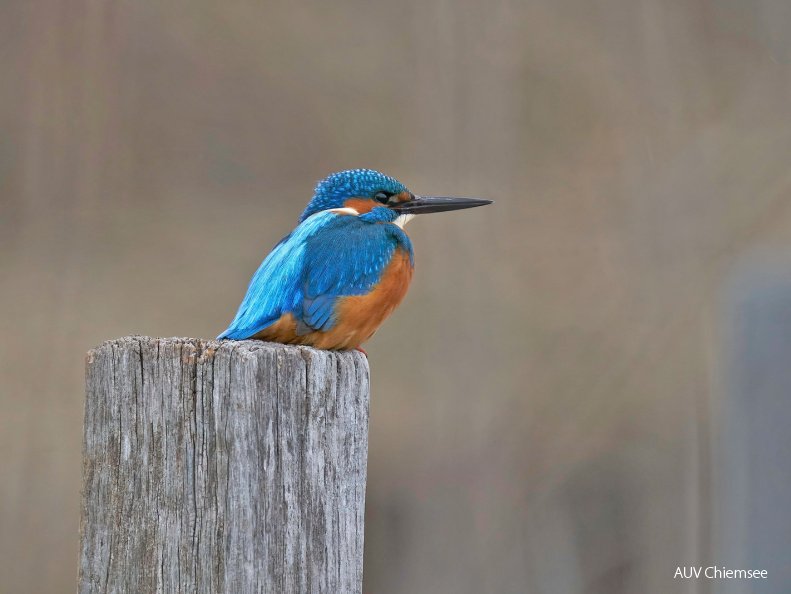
382 197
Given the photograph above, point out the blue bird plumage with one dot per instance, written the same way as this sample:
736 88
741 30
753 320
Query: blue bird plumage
342 271
335 189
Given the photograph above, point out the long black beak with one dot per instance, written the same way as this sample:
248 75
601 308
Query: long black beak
426 204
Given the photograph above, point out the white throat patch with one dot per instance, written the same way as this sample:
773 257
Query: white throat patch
402 220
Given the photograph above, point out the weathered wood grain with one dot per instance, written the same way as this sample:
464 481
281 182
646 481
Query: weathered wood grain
223 467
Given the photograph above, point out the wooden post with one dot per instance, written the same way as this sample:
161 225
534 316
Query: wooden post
223 467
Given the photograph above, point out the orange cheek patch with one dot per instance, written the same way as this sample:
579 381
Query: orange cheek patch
404 197
361 205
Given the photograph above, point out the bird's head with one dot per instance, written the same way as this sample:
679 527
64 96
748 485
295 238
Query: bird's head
362 190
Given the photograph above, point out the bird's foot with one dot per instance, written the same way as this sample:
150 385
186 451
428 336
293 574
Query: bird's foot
362 351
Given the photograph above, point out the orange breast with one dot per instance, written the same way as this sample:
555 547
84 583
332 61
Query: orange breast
357 317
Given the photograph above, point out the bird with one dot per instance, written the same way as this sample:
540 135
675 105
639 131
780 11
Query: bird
333 280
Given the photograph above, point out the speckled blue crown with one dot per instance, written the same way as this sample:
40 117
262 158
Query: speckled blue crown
335 189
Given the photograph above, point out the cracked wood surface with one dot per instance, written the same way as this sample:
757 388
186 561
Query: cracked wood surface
223 467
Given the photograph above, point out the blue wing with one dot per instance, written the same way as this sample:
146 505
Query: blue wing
276 286
327 257
347 258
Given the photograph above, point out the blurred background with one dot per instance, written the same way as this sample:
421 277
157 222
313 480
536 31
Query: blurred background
588 383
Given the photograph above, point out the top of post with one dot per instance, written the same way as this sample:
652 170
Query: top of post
204 349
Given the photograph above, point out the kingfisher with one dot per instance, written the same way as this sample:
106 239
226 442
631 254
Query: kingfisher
333 280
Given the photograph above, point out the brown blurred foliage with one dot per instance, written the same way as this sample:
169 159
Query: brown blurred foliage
540 414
